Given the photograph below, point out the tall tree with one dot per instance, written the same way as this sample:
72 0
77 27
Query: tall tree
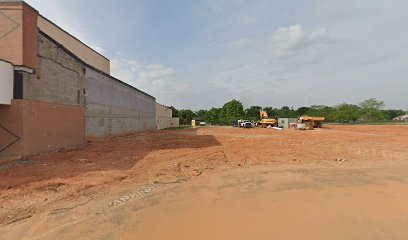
200 114
390 114
372 103
302 111
371 109
232 111
174 111
321 110
272 112
252 113
186 115
213 116
347 113
287 112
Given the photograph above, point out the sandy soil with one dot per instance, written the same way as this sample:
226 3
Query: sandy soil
341 182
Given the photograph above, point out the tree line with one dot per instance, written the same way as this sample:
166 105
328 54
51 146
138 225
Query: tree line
367 111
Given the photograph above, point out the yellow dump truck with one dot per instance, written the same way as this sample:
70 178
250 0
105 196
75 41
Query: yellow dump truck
265 121
311 122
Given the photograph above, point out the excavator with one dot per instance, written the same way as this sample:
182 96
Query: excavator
311 122
265 121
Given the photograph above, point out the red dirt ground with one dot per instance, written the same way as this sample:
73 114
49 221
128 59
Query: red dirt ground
39 183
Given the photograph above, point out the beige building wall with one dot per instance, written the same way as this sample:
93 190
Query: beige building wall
31 127
18 33
19 24
164 117
6 82
84 52
163 112
175 122
30 32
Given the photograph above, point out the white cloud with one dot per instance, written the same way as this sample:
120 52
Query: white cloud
284 40
155 79
60 13
141 75
163 83
288 39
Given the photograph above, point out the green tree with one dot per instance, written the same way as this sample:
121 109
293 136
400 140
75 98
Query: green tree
302 111
200 114
272 112
371 109
232 111
390 114
252 113
286 112
372 103
174 111
347 113
186 115
213 116
321 111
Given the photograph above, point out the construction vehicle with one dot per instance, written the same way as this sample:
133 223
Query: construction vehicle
265 121
309 123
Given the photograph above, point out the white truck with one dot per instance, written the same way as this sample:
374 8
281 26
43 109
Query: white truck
245 124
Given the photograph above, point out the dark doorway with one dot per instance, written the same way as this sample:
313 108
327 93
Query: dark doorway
18 85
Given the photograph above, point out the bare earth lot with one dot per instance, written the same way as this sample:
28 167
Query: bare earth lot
340 182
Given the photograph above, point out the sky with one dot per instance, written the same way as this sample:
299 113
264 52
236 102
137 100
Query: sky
203 53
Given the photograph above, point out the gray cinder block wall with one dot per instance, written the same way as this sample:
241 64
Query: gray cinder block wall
59 77
113 107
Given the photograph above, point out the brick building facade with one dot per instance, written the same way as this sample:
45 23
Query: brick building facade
59 91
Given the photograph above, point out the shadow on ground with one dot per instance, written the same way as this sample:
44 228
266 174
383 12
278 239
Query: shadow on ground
120 153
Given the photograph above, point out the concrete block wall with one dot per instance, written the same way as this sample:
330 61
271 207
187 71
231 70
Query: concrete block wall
164 117
84 52
59 77
175 122
114 108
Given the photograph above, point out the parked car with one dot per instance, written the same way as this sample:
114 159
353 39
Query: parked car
242 122
247 124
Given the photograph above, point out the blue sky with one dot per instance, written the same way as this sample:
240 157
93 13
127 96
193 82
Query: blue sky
200 54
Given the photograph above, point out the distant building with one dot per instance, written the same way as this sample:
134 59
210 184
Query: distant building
164 117
403 118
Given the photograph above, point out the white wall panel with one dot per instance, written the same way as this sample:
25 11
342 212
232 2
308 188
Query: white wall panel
6 82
